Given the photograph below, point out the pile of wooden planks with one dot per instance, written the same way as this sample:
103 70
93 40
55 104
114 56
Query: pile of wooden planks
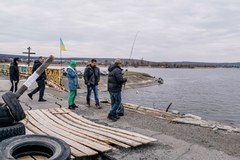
150 111
85 137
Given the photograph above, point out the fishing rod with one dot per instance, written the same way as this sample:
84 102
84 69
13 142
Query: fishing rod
133 45
134 40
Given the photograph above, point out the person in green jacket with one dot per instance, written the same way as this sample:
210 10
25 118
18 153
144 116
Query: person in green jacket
72 84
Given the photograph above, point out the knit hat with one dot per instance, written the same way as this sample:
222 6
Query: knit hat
118 61
72 63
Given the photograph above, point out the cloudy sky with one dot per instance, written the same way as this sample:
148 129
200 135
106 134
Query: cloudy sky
169 30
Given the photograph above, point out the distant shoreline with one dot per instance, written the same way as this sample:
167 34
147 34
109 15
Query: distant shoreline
7 58
125 67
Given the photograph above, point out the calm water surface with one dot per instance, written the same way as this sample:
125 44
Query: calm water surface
210 93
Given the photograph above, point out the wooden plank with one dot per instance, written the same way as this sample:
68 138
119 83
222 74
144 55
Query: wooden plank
26 158
31 127
108 128
97 145
150 111
82 148
119 132
43 120
28 131
70 125
75 152
141 112
97 130
115 141
40 158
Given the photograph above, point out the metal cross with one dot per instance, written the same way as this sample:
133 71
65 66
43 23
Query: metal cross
29 53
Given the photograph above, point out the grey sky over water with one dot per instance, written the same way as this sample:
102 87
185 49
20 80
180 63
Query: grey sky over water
170 30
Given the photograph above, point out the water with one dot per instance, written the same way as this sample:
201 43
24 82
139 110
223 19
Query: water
210 93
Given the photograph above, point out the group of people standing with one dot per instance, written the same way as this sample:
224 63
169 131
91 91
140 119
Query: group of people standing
91 80
14 78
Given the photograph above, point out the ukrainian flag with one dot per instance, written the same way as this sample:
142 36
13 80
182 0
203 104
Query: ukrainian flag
62 47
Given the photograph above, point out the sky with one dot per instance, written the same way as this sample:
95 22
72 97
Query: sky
168 30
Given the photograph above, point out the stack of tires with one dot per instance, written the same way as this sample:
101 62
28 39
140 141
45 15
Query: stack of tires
9 122
15 144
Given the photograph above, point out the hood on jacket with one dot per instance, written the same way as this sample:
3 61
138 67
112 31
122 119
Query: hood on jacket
112 67
15 60
72 63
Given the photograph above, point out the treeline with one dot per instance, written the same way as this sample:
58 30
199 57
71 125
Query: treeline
7 58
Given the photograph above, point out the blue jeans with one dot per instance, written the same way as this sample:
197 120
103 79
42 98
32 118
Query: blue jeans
95 91
116 100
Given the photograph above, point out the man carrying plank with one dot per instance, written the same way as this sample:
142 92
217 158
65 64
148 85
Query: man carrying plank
40 81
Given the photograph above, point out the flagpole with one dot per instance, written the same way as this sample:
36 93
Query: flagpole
61 63
61 58
62 48
60 53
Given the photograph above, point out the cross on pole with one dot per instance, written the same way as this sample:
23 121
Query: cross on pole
28 53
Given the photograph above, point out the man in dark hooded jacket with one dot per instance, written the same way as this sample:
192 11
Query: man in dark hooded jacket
115 82
40 80
14 74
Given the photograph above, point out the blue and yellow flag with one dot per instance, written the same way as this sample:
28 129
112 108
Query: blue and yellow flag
62 47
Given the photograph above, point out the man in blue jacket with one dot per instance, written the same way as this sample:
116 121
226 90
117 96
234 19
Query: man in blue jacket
14 74
115 82
92 78
40 81
72 84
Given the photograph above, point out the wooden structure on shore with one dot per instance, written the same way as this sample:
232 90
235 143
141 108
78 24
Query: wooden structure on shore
85 137
53 75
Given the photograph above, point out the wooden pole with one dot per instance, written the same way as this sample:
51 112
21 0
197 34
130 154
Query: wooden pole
34 76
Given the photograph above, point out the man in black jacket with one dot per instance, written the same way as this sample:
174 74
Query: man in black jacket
92 78
14 74
115 82
40 81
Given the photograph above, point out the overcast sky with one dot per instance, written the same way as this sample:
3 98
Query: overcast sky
170 30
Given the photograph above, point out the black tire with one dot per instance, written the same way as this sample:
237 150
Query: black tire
5 118
13 130
14 106
51 147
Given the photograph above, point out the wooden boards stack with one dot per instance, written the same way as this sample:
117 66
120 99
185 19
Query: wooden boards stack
150 111
85 137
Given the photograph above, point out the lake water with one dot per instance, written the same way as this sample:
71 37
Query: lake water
213 94
210 93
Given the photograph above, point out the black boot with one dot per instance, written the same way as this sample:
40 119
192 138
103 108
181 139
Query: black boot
75 106
71 107
42 100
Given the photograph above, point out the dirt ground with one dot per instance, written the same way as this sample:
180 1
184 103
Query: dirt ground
175 141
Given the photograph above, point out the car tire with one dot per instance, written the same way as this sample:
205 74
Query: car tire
12 130
5 117
48 146
14 106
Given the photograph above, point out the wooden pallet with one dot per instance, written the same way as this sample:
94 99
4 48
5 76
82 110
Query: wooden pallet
85 137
